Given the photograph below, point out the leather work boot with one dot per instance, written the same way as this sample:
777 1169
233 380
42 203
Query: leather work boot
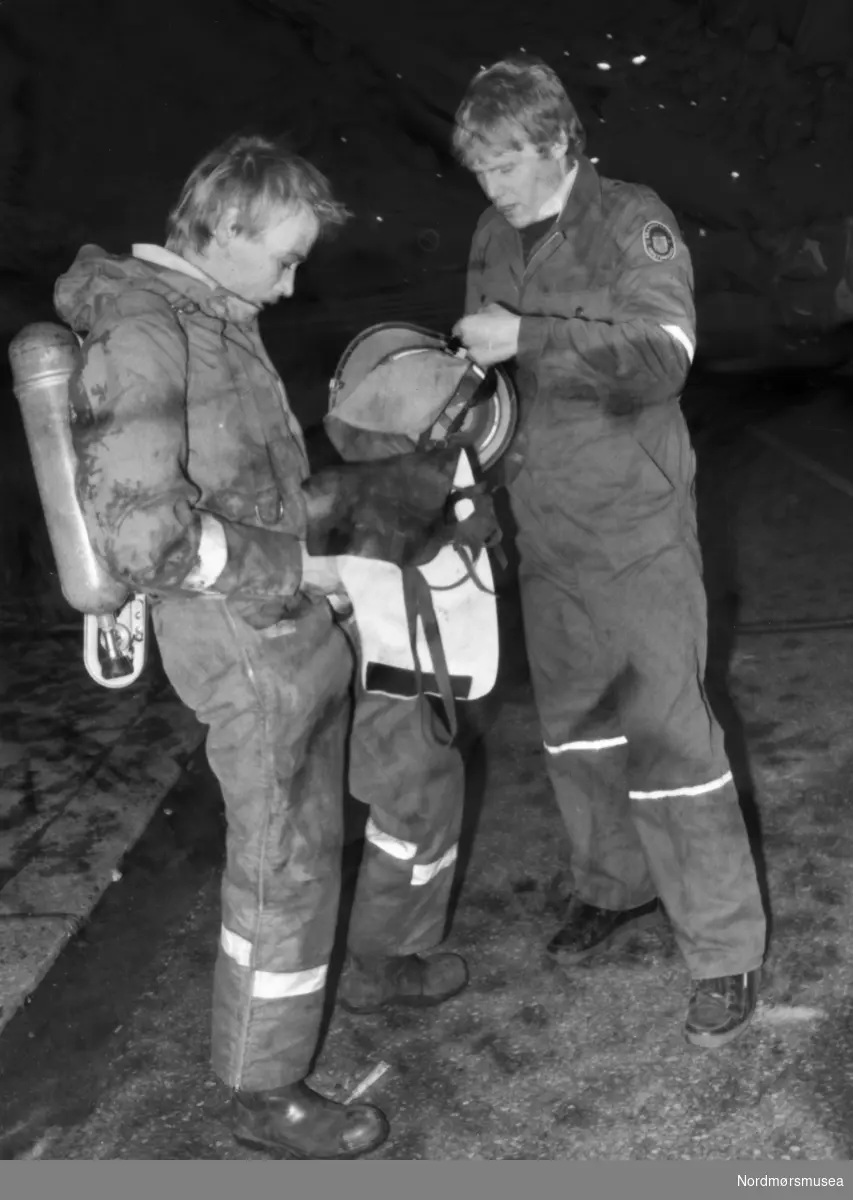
369 985
720 1010
589 930
296 1122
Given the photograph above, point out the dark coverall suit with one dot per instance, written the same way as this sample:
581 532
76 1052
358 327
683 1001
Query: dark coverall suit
610 569
190 470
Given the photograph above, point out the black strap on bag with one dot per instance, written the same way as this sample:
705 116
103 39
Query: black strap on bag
482 392
472 390
418 601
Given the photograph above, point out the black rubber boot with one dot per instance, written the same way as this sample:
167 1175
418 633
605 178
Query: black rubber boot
296 1122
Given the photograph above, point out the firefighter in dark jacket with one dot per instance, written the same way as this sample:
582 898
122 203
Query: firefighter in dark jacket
586 283
191 473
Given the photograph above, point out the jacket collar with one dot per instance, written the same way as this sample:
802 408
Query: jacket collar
582 203
162 257
584 195
584 200
556 204
201 291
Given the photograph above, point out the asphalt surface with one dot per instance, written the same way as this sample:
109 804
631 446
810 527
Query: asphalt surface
108 1058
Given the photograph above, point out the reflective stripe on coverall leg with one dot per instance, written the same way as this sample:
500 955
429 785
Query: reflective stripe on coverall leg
586 763
629 656
683 799
414 785
276 703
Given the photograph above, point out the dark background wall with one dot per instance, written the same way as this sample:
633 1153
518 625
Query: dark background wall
740 115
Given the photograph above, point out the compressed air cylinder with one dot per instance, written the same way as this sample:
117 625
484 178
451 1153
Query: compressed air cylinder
43 357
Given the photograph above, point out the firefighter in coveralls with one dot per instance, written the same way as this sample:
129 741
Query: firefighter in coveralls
586 284
191 465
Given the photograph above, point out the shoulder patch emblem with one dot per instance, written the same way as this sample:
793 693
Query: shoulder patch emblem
658 241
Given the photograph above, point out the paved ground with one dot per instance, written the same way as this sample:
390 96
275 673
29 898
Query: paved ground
109 1059
78 785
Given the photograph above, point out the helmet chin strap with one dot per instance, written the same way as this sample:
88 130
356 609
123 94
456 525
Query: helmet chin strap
478 385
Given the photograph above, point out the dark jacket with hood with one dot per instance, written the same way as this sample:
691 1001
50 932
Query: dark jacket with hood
190 460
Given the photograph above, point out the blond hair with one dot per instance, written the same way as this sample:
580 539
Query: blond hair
252 175
519 99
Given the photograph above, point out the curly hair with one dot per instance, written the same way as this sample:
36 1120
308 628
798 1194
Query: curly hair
253 175
519 99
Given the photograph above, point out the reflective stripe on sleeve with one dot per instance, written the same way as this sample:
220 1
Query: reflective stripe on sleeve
272 985
212 555
423 872
396 847
699 790
676 332
599 744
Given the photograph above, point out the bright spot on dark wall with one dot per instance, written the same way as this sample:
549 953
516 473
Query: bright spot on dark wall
638 58
603 66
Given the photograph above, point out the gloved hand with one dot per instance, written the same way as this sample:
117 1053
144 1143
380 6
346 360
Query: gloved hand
394 509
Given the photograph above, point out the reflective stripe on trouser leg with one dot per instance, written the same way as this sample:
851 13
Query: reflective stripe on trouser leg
589 745
637 601
701 858
277 709
683 800
585 756
271 985
608 866
695 789
415 787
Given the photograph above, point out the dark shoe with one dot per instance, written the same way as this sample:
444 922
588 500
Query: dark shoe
720 1010
296 1122
369 985
589 930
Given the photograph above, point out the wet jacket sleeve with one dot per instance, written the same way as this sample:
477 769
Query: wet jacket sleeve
129 430
636 338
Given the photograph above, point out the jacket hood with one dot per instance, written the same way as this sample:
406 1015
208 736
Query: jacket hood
96 279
